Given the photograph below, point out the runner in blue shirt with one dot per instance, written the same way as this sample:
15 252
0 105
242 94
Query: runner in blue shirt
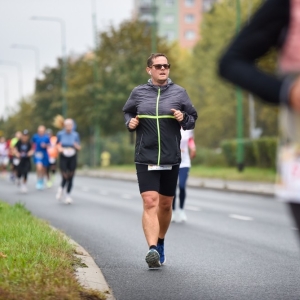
41 141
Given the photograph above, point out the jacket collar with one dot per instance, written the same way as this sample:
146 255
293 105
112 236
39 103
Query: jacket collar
163 87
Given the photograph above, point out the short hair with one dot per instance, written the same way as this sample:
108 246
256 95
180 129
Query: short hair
152 56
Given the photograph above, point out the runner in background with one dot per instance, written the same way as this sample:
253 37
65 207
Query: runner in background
68 144
13 166
4 159
23 151
188 152
41 142
53 155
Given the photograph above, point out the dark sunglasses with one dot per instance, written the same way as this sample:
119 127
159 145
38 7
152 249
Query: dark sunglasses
159 66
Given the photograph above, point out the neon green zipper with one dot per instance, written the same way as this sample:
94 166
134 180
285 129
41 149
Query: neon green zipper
158 128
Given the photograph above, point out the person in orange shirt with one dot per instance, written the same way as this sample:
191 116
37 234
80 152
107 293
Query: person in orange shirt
53 154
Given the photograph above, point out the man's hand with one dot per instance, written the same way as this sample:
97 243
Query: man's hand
134 123
177 114
295 95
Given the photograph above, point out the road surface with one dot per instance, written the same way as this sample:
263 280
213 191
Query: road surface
234 246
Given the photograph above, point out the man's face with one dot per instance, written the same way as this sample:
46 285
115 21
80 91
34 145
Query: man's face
2 140
161 75
69 126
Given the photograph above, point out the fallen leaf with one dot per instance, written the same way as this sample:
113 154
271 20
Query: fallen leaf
2 255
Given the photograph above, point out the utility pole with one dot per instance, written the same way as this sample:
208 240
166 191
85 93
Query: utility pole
239 98
96 80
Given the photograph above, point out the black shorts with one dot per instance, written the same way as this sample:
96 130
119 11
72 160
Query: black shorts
67 164
163 182
23 167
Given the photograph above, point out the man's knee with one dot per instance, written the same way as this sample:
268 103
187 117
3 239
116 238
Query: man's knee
150 200
165 203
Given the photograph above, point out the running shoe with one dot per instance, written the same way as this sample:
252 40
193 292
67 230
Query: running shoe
69 200
153 259
182 216
23 189
49 184
39 185
59 193
174 216
161 252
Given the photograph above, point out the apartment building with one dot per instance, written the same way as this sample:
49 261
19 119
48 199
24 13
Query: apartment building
176 19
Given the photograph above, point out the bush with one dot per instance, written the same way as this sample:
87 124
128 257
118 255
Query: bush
209 158
257 153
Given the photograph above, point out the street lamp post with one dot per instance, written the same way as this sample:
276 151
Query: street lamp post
36 53
64 57
153 28
239 97
96 79
5 88
19 68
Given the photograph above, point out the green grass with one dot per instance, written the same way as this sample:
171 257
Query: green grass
249 174
36 262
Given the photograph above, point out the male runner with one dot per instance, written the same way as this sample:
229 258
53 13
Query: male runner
68 143
41 142
12 160
157 110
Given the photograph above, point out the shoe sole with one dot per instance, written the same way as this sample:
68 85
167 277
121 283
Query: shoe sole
152 259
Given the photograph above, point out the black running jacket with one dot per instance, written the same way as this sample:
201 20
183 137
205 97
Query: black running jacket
158 133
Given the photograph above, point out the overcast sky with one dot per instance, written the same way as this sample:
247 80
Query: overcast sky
17 28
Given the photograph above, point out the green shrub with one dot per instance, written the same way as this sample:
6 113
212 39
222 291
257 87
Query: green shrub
257 153
209 158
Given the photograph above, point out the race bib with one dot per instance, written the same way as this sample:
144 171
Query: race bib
39 155
52 160
68 152
288 183
159 168
16 161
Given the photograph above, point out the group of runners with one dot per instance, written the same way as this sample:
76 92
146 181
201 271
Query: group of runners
47 151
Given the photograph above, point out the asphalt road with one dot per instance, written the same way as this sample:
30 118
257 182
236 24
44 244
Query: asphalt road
233 246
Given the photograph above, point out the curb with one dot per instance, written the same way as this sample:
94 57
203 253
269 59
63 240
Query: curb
253 188
90 276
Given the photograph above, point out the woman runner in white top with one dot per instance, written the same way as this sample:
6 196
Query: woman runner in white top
188 152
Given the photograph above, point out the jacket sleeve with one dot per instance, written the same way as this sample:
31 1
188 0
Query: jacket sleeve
129 109
190 114
262 33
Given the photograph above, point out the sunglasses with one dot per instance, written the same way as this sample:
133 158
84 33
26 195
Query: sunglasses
159 66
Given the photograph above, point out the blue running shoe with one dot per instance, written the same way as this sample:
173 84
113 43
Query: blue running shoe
153 259
161 251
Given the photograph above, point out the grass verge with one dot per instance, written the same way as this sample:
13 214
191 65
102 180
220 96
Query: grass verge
36 262
249 174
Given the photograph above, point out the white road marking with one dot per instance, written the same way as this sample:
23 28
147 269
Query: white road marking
193 208
239 217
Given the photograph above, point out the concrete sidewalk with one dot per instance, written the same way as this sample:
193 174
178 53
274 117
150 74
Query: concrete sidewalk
259 188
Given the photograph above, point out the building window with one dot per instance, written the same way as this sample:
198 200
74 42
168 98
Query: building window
169 19
189 18
169 2
189 3
146 2
170 35
146 18
190 35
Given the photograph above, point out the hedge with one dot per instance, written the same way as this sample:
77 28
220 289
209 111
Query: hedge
257 153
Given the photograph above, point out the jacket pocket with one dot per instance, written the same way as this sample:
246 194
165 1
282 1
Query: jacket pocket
140 145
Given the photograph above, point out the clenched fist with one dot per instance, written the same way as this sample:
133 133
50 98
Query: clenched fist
177 114
134 123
